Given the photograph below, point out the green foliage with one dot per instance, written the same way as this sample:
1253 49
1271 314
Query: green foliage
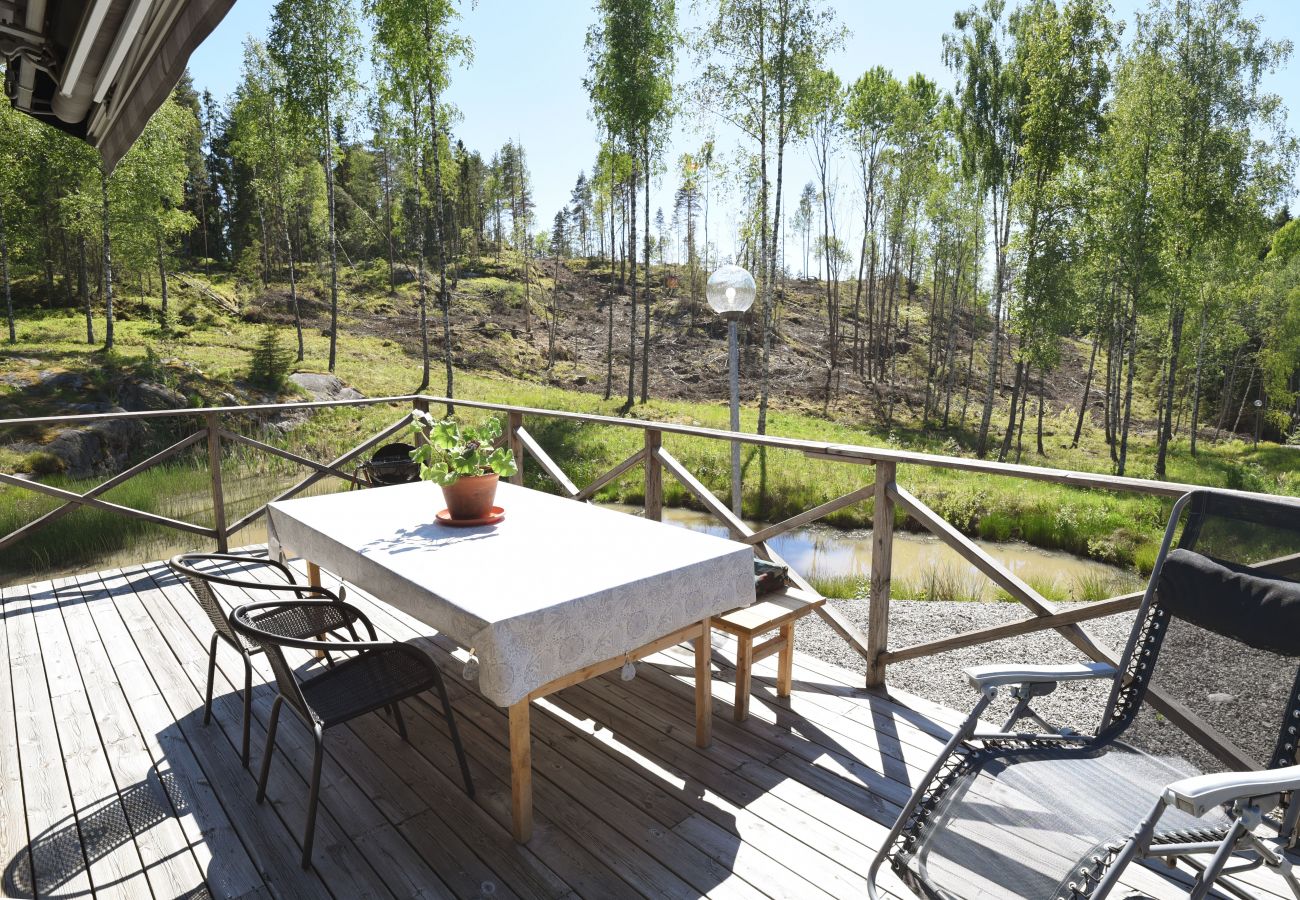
271 362
448 450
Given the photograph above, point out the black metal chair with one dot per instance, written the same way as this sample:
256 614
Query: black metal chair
390 464
203 570
379 676
1055 812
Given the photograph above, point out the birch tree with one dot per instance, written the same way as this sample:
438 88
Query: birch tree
316 44
416 47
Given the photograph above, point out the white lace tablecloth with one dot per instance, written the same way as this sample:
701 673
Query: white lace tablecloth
557 586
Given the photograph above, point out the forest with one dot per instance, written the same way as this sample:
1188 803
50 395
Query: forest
1101 194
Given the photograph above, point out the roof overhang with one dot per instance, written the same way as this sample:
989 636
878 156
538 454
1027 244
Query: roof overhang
98 69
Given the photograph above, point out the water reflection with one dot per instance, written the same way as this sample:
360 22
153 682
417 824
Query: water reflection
922 564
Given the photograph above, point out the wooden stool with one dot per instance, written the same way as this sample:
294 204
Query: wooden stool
770 612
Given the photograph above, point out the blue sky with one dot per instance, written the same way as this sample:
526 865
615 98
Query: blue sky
525 81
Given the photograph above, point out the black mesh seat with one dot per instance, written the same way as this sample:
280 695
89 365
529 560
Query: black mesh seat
206 571
373 675
358 685
1056 813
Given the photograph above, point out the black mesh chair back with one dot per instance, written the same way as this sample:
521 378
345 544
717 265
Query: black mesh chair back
1063 813
390 464
204 571
234 574
1220 635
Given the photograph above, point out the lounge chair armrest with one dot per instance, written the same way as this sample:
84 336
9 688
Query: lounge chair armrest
1200 793
984 677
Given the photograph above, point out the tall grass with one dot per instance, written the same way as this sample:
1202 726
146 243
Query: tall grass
942 581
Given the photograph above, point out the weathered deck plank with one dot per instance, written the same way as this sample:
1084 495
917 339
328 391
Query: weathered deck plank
13 814
125 793
219 856
51 814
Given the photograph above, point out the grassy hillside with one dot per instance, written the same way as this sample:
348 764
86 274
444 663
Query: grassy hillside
206 355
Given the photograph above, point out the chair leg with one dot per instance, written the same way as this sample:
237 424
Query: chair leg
212 673
397 718
744 669
455 734
313 798
248 706
270 748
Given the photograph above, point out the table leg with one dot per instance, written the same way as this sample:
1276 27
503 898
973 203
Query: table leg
785 662
313 579
704 686
521 773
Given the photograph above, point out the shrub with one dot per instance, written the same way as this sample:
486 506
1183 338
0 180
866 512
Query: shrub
271 362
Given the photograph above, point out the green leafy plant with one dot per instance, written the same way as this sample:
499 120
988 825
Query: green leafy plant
448 451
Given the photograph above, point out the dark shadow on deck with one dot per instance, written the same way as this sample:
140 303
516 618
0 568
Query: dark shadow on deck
66 850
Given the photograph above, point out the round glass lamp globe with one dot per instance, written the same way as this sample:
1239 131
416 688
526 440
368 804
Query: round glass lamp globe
730 290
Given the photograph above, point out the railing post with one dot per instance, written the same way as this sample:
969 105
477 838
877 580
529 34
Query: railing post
214 471
882 551
515 421
654 476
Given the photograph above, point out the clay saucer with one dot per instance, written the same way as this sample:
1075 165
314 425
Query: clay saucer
496 515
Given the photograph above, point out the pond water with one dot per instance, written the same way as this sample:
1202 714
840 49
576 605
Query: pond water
923 566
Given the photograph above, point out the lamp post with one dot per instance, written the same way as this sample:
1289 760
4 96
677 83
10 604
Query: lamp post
730 291
1259 412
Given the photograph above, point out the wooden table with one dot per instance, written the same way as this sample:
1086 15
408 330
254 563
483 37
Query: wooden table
558 593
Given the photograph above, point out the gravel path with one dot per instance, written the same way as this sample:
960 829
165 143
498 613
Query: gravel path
939 678
1240 691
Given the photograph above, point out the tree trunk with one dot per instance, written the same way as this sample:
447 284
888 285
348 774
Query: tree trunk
645 301
1167 420
444 298
293 282
1087 387
388 222
334 254
1024 402
424 306
631 322
1241 410
1010 435
165 318
609 312
1196 378
765 314
4 276
1001 236
83 286
554 313
108 262
1131 330
1041 451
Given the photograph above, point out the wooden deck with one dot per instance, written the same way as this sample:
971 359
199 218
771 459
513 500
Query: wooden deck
113 787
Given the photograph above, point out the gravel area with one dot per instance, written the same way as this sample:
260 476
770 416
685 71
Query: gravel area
1240 691
939 678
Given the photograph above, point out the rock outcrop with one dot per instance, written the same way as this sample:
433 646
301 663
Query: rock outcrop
325 387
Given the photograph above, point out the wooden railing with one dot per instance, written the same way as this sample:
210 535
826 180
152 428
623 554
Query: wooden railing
882 490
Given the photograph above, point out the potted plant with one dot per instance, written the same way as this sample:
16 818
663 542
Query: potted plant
463 461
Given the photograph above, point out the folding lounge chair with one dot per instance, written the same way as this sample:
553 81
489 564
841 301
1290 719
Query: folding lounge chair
1057 813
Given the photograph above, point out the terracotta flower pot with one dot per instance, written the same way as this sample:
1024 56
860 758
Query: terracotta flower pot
470 497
